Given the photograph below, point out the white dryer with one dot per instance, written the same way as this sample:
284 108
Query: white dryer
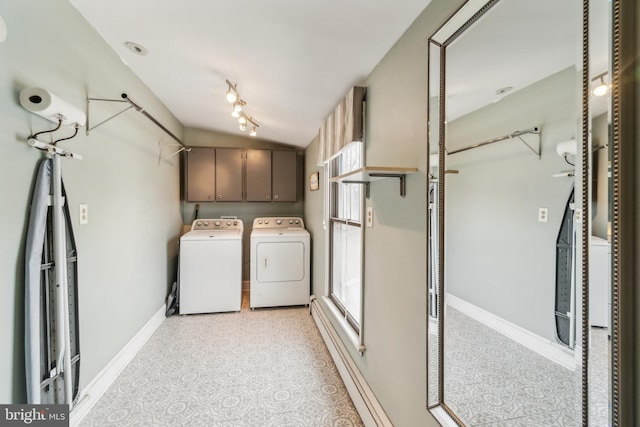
280 262
210 273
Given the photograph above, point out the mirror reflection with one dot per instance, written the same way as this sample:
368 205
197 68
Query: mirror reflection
511 311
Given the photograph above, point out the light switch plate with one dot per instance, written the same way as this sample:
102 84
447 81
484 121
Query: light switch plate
369 216
84 214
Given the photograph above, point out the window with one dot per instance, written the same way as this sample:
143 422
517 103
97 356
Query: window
345 205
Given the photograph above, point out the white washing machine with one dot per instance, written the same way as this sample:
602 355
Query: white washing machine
210 273
280 262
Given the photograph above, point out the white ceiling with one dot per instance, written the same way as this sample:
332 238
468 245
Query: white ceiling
518 43
292 60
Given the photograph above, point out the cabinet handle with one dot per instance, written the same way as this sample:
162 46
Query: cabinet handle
275 197
268 196
219 196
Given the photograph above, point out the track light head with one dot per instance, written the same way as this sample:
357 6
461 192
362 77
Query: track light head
602 88
232 93
231 96
253 131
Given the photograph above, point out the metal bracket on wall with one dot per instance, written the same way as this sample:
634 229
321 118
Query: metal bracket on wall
535 131
401 177
125 99
367 174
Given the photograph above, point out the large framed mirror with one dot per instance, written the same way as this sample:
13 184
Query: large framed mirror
520 219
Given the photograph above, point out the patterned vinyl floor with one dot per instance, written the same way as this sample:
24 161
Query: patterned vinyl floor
267 367
494 381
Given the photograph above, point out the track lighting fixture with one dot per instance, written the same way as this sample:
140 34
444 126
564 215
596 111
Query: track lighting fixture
602 88
233 97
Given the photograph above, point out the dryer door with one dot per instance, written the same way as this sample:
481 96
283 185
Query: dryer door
280 261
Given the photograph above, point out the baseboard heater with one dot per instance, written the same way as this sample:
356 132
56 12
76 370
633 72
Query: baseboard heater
364 400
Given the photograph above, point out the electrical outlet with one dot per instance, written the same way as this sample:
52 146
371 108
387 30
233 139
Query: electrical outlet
84 214
578 215
543 214
369 216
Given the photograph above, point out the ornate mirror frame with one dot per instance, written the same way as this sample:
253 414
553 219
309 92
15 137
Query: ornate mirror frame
622 169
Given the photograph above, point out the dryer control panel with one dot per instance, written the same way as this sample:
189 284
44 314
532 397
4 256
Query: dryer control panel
217 224
278 222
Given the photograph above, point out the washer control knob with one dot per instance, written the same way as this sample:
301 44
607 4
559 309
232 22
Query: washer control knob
290 221
199 223
266 222
235 222
217 223
297 221
279 222
228 223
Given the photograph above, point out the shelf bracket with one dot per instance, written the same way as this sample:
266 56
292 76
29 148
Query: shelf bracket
401 176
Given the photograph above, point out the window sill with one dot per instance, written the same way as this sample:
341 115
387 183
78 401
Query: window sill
352 335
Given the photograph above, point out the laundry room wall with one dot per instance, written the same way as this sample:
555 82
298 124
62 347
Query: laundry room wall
127 252
500 258
246 211
395 316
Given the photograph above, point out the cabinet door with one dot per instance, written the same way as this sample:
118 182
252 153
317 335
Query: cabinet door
285 176
201 164
228 174
258 175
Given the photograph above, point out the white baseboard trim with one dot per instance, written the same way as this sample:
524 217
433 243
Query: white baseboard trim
364 400
540 345
93 391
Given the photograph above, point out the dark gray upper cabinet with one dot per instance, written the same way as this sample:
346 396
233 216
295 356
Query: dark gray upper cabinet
228 174
221 175
271 175
201 164
258 175
284 174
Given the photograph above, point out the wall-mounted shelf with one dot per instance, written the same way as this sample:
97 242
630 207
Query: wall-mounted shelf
368 174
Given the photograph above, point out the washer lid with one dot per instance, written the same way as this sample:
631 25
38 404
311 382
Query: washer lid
212 235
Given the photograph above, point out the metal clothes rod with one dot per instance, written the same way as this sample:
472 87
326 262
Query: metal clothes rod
515 134
150 117
137 107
